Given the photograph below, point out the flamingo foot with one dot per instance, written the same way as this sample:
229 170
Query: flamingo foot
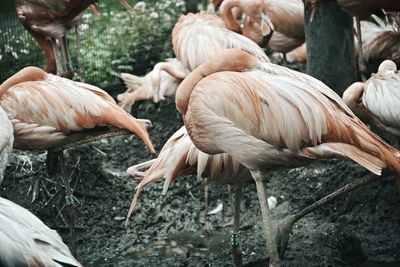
236 251
282 234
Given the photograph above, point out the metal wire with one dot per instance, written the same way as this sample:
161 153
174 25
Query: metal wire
118 41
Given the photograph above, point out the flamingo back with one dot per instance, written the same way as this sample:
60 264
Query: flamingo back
382 96
27 241
197 37
6 141
45 113
279 118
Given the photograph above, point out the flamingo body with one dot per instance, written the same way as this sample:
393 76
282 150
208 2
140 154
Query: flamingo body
6 141
142 88
269 117
376 101
197 37
286 17
364 8
380 42
49 111
277 117
27 241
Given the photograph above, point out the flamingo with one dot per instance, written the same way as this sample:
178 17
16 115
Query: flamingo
165 77
287 19
52 113
179 156
268 117
47 20
26 241
197 37
376 101
213 6
6 141
381 41
362 8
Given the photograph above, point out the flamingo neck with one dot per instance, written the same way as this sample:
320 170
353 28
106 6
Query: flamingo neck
168 67
25 75
353 94
227 60
228 17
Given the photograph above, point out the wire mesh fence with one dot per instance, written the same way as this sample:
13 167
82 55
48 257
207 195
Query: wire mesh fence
117 41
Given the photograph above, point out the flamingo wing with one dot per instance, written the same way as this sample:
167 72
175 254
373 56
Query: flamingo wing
57 107
197 37
29 240
382 97
277 121
6 141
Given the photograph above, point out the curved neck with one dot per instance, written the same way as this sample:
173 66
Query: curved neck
227 60
172 70
353 94
168 67
227 15
25 75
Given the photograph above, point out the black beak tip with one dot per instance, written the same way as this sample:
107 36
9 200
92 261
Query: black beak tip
266 39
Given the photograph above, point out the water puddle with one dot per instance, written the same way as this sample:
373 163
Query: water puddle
177 244
185 243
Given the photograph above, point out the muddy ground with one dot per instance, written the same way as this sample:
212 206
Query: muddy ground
359 229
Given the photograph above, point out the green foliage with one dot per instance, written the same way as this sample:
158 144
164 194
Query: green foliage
116 42
17 50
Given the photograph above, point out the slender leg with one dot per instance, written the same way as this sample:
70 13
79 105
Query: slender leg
78 49
206 230
231 204
361 64
268 229
59 70
70 70
46 45
51 162
284 60
235 242
285 225
70 200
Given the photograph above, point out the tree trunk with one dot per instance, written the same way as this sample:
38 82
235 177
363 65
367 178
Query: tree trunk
191 6
330 45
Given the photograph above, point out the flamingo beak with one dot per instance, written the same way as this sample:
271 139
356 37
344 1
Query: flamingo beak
267 29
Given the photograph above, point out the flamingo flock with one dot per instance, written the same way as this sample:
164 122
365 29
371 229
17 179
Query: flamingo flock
243 116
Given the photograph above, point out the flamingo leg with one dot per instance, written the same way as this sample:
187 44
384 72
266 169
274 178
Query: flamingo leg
285 226
206 228
274 260
46 45
70 70
59 69
78 49
235 242
231 204
361 64
284 60
70 200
